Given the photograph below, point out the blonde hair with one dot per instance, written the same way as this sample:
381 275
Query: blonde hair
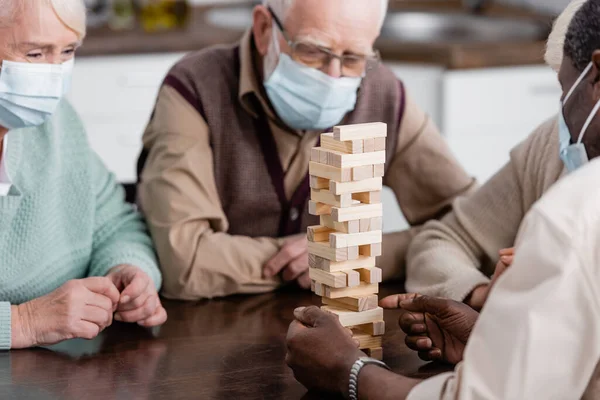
556 40
72 13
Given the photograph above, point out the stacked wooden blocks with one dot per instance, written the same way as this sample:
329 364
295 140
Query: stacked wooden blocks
346 181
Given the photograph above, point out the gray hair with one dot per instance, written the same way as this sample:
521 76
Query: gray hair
583 35
282 7
556 40
72 13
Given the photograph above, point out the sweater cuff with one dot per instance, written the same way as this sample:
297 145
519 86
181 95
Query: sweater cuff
5 326
459 288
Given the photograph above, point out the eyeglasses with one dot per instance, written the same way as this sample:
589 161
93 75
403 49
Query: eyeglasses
318 57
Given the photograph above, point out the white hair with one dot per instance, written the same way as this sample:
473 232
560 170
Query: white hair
282 7
556 40
72 13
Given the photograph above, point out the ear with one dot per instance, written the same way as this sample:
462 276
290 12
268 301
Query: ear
596 75
262 29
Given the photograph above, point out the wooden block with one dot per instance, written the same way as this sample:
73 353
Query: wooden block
318 233
353 278
315 208
323 250
360 173
367 185
370 275
316 261
369 145
370 250
326 197
350 146
368 197
317 288
332 279
343 160
379 144
361 290
343 227
339 240
371 224
356 212
351 318
360 131
367 341
315 154
376 353
319 183
354 303
378 170
331 173
376 328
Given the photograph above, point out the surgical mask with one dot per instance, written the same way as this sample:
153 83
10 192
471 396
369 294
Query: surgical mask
574 156
30 93
307 99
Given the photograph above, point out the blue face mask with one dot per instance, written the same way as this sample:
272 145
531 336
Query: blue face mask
307 99
574 156
30 93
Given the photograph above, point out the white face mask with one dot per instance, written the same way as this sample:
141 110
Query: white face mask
574 156
30 93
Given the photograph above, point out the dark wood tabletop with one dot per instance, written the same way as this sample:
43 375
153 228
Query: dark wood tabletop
223 349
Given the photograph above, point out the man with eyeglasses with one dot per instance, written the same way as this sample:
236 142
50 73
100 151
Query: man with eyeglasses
223 174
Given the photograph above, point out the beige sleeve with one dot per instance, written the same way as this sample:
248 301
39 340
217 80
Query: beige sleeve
451 257
425 177
179 198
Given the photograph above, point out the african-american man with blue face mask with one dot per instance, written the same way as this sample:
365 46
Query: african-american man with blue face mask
223 174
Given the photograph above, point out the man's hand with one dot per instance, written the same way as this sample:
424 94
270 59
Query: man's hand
479 295
321 351
438 329
139 301
291 262
78 309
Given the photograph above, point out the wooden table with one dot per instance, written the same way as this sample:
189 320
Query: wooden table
226 349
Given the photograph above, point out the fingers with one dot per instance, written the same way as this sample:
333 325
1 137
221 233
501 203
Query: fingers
296 327
136 288
418 343
312 316
158 318
96 315
145 311
392 302
295 268
412 323
304 281
100 301
507 252
434 354
291 250
102 285
507 260
87 330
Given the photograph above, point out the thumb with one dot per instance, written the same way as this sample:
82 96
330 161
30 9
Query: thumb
431 305
310 316
393 301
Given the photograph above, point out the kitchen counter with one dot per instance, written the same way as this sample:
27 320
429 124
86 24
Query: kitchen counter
199 34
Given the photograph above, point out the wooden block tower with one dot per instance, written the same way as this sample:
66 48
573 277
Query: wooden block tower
346 181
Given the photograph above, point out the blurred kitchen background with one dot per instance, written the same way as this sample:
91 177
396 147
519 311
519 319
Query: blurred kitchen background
476 66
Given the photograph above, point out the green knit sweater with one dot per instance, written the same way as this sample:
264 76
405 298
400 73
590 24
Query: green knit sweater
64 218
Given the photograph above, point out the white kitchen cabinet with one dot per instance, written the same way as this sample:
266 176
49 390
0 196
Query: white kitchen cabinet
488 112
114 97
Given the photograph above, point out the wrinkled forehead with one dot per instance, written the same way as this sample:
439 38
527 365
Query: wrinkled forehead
339 24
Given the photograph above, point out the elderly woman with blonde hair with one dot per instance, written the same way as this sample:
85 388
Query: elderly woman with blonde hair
73 254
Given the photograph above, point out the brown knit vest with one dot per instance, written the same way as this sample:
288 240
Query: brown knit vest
248 173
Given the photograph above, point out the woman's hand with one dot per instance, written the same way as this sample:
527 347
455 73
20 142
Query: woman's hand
139 301
78 309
